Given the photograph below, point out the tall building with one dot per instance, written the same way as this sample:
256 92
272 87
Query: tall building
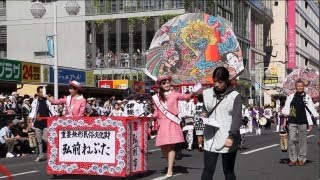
295 41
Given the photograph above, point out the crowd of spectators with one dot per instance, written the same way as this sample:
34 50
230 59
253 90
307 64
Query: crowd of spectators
17 134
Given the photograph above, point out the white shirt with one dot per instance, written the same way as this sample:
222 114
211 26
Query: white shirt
5 131
132 108
116 113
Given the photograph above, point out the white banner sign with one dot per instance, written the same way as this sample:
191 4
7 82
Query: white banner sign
87 146
136 147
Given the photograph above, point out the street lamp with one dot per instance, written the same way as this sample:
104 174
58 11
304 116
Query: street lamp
38 11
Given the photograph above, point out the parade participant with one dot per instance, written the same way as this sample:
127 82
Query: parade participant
199 113
41 107
255 120
133 108
75 102
188 108
267 113
117 111
247 114
299 108
166 111
224 106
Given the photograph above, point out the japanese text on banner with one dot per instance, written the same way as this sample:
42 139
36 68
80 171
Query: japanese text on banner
87 146
10 70
136 151
31 72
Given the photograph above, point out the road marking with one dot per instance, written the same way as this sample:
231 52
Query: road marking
18 174
153 150
259 149
163 177
266 147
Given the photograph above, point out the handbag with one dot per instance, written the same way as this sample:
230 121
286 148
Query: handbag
283 141
32 139
293 112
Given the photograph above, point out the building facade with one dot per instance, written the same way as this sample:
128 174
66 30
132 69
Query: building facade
295 41
109 36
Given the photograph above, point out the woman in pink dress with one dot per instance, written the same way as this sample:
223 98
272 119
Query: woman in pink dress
75 102
166 111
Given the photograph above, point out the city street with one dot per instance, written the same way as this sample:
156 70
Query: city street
261 159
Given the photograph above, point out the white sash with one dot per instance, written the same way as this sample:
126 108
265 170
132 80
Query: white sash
164 111
69 105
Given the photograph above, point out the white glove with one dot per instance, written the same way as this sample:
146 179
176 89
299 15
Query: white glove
44 91
197 87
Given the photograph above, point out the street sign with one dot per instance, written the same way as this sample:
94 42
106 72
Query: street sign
271 80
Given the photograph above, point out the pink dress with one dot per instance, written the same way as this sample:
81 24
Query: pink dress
74 107
170 132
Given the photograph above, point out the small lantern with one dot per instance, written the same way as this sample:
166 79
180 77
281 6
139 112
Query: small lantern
37 10
72 7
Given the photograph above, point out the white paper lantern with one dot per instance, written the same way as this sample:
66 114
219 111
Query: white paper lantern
72 7
37 10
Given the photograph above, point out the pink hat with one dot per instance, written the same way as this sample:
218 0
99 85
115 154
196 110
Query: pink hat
162 78
75 85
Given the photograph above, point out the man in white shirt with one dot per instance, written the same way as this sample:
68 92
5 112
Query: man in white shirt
7 138
133 108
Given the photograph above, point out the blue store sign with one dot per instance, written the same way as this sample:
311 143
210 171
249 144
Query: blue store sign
66 75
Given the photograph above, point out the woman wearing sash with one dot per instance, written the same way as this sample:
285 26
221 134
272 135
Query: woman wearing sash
75 102
166 111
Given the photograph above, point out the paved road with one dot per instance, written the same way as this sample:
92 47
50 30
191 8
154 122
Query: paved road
261 160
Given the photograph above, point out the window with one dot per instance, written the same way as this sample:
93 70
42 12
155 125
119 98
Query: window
2 3
306 24
306 4
306 43
276 3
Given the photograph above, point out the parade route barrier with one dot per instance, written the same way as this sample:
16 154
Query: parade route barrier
103 146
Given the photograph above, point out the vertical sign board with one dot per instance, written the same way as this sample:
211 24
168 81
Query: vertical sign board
45 74
138 145
90 82
31 72
10 70
291 34
67 75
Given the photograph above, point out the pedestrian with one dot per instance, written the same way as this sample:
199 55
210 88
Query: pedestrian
298 108
166 111
75 102
117 111
224 106
40 109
